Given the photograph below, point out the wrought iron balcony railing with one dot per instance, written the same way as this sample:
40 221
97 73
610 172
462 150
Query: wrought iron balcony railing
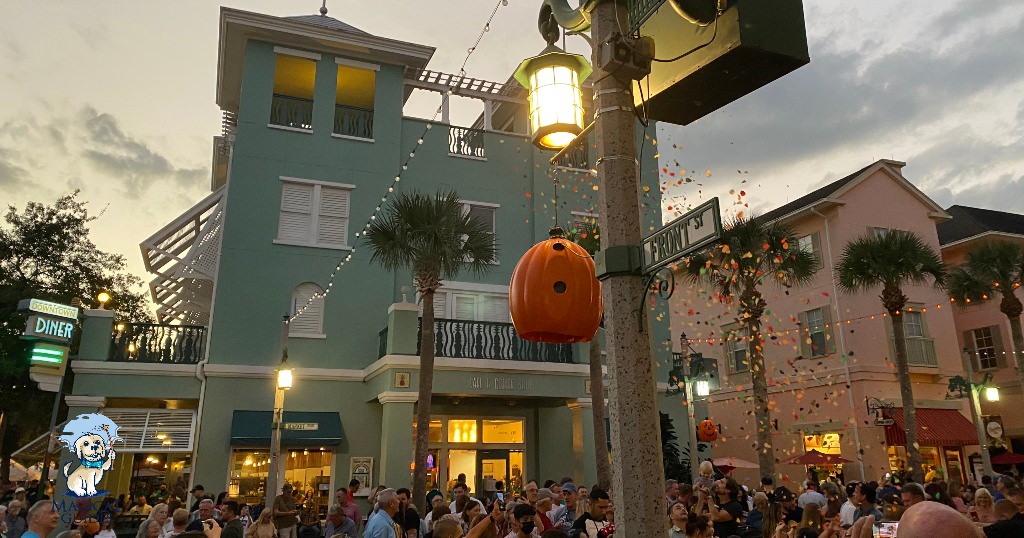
353 121
294 112
491 340
159 343
466 142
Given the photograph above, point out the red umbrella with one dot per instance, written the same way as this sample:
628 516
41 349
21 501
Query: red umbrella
1007 458
813 457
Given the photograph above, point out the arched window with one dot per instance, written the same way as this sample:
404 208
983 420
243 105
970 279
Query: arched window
311 322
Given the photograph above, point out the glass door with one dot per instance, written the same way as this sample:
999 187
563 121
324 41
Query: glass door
493 467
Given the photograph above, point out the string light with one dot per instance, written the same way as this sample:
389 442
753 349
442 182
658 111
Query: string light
398 177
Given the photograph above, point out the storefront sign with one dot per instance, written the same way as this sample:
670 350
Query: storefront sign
46 307
303 426
500 383
46 327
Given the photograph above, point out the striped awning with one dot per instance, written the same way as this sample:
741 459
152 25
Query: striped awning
935 427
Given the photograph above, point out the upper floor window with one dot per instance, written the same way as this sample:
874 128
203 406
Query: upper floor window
310 323
354 98
811 244
294 76
985 344
920 347
816 340
482 212
736 348
314 214
471 305
880 232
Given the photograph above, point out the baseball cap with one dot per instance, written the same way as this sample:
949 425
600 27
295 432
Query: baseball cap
569 486
544 493
197 487
782 494
19 490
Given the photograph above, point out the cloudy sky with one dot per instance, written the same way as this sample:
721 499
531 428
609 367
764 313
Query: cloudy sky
116 98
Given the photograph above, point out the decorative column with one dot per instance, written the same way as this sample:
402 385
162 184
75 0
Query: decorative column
396 446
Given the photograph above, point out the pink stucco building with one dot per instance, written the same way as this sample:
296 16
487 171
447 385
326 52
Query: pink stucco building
828 354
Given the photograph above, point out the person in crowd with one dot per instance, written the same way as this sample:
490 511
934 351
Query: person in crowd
406 512
285 513
812 519
204 513
932 474
864 498
446 528
338 522
179 521
150 528
956 495
140 508
723 507
41 518
198 494
461 491
767 485
596 517
1003 483
160 494
787 501
847 511
671 491
3 524
14 520
833 499
938 491
912 493
924 520
811 495
309 522
353 488
677 518
755 517
773 515
523 523
700 527
469 514
530 493
562 516
220 501
706 471
544 504
344 499
159 514
245 516
232 523
106 531
381 524
263 527
982 511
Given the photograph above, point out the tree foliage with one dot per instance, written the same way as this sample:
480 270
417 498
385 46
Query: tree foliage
46 253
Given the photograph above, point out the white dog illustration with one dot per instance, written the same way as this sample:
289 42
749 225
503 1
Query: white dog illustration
90 438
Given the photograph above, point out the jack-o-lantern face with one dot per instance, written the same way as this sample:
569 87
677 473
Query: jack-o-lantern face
707 431
554 295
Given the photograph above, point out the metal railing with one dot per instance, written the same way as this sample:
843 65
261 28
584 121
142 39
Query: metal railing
491 340
467 142
161 343
921 352
294 112
382 348
353 121
577 156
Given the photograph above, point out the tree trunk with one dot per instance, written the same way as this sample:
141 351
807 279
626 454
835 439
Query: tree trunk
1011 306
604 466
419 476
752 305
5 457
907 396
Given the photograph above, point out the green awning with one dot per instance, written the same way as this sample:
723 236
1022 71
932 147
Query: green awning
300 428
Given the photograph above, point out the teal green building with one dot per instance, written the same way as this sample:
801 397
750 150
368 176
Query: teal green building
313 138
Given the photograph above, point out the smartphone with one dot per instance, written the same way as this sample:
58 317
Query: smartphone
887 529
501 496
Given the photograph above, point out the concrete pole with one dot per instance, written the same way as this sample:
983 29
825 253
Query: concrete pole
273 484
637 472
986 458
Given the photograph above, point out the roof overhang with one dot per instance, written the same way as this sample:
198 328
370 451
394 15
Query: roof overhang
813 208
237 27
989 235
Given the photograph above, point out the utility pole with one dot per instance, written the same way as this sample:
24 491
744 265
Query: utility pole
986 458
637 469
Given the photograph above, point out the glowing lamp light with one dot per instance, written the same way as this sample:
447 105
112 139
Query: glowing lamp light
992 394
284 377
556 102
103 298
702 387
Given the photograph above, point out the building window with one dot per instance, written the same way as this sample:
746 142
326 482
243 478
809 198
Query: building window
354 98
812 245
294 76
736 348
484 213
314 214
920 347
306 469
985 348
816 340
310 323
471 306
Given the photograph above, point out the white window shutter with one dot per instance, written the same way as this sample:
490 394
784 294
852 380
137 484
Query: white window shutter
296 213
440 305
465 306
495 309
311 321
332 226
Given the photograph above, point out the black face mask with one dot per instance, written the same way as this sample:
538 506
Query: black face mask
528 527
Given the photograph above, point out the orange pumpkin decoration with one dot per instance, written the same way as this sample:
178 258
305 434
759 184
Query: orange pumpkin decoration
707 431
554 295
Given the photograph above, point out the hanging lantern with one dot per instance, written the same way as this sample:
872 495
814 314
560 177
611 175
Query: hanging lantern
556 102
555 296
707 431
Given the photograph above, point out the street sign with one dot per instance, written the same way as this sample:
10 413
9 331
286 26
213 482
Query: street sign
682 236
46 307
884 422
47 328
302 426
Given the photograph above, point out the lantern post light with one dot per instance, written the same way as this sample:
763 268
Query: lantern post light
103 298
553 79
974 389
992 394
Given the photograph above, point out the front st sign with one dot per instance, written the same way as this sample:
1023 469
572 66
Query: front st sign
682 236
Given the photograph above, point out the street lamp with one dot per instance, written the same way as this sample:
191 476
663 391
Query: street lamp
556 101
283 382
698 376
103 298
992 394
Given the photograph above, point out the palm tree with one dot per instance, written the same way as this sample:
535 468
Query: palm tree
749 252
891 261
994 268
436 239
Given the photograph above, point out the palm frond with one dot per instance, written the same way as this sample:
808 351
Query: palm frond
893 259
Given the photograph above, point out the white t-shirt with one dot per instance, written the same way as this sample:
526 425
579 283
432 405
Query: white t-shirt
847 513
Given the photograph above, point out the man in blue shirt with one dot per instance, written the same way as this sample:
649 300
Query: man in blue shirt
381 525
339 523
42 519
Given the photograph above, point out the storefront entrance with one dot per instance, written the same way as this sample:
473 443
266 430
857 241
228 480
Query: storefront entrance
485 450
